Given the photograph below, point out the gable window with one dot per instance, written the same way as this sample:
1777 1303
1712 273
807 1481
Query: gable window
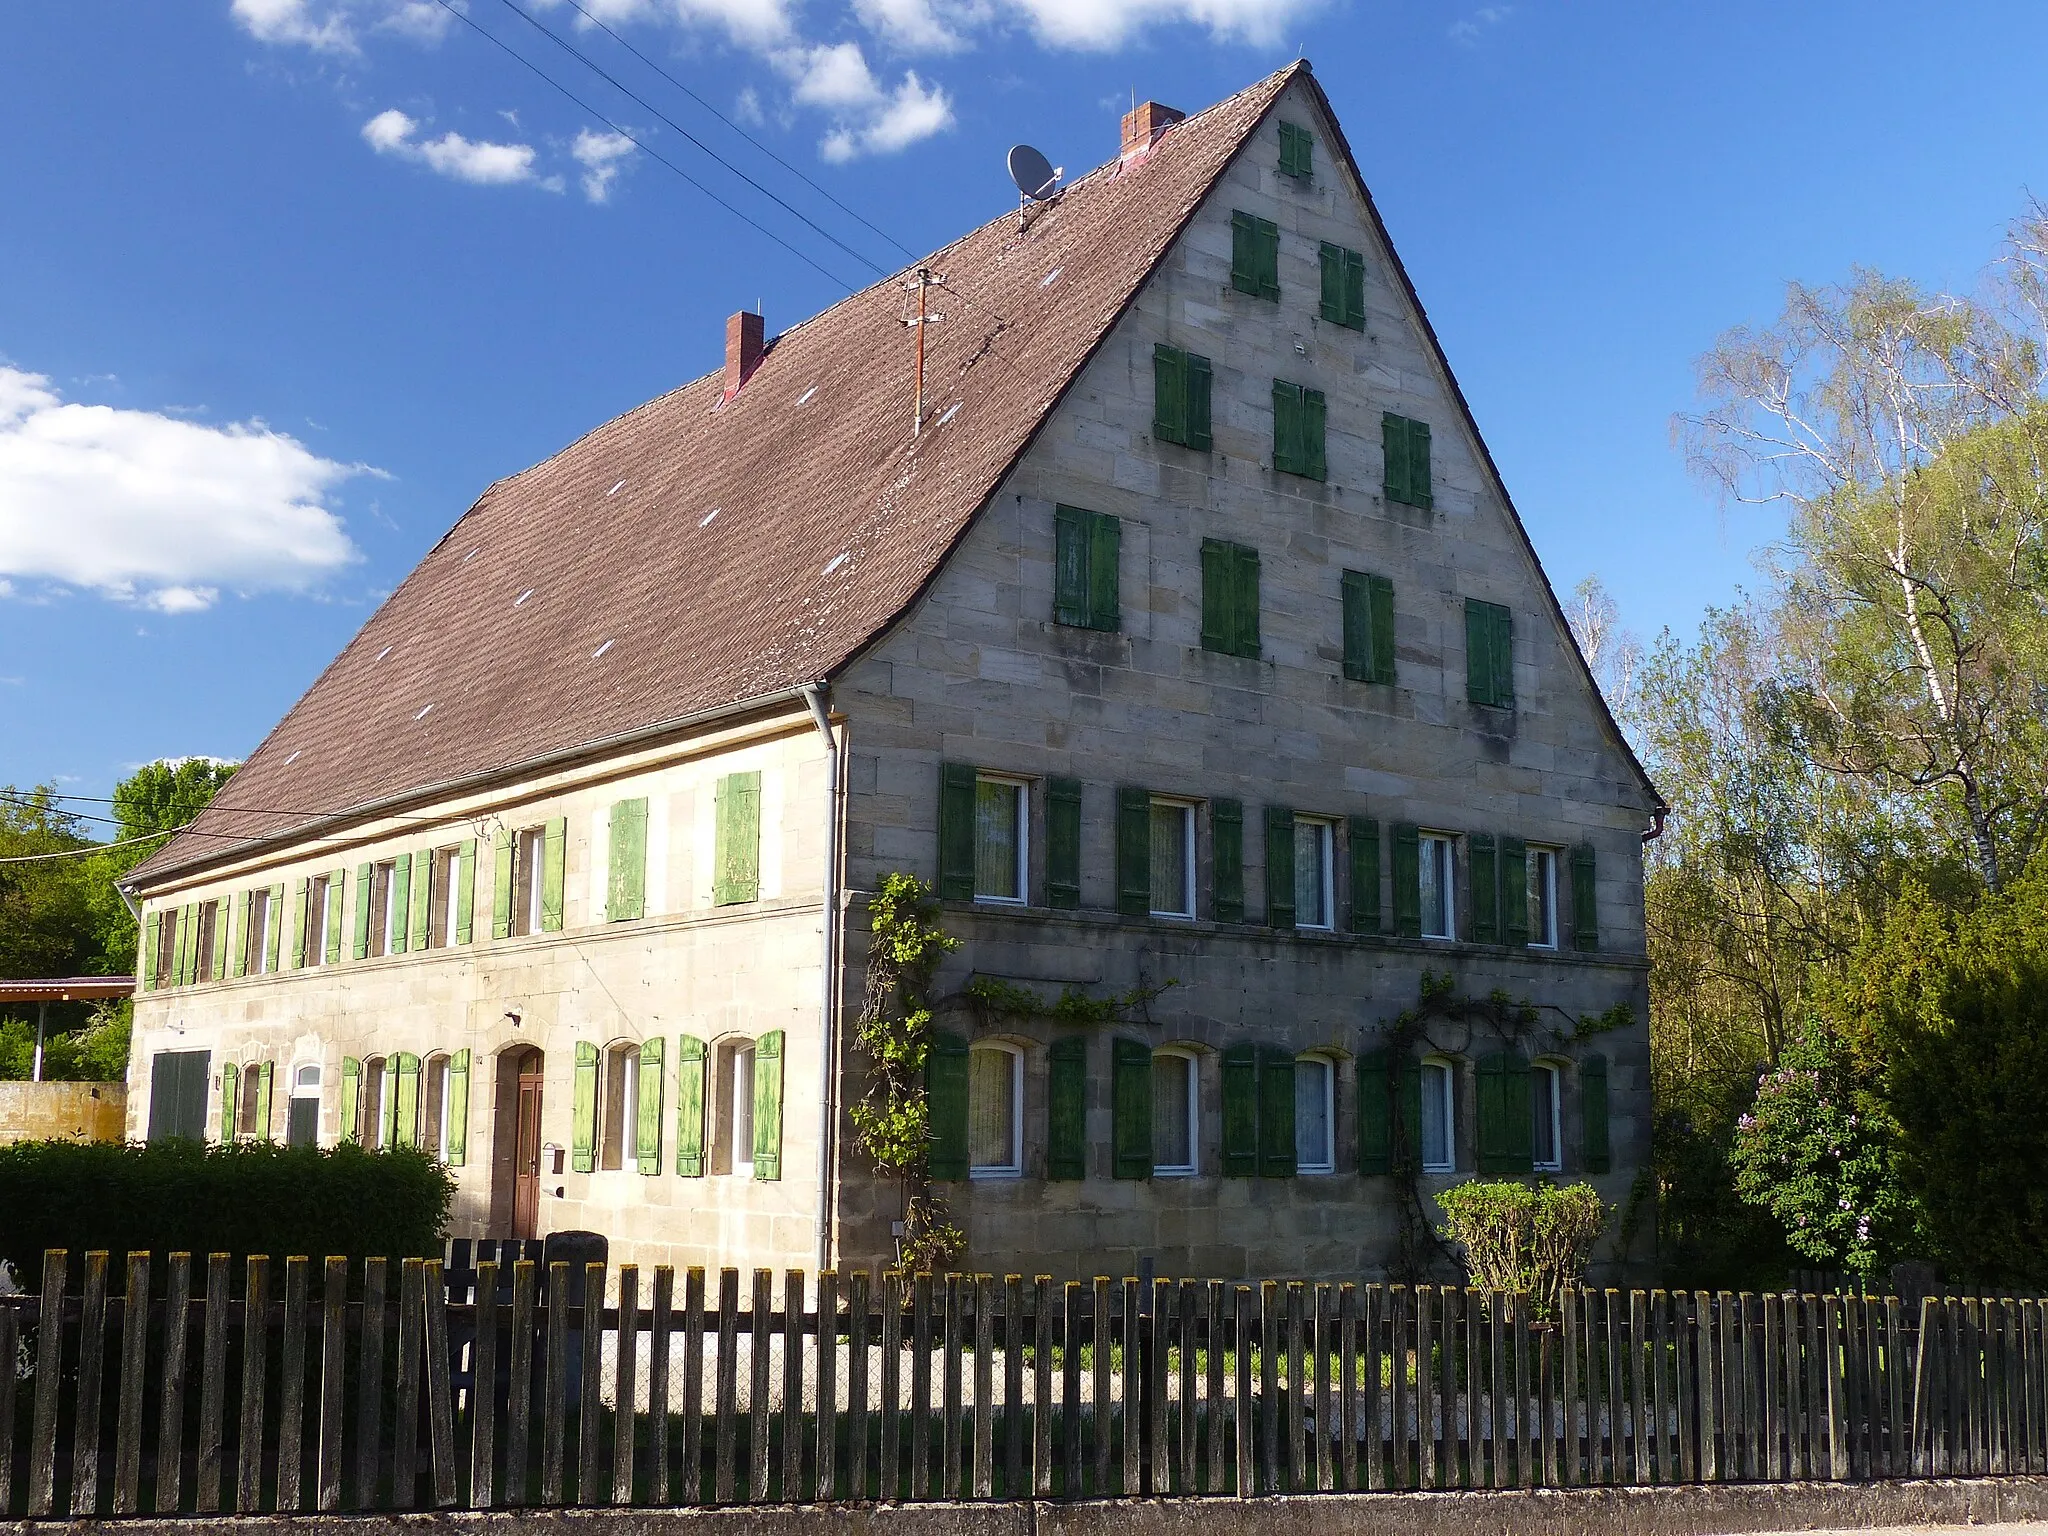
1297 152
1315 896
1439 867
1315 1115
621 1105
1176 1114
1542 897
1405 444
1439 1117
1368 628
1255 256
302 1109
1172 842
1230 598
529 859
1299 417
1489 654
1086 546
1343 286
732 1141
1180 397
1002 831
1546 1101
995 1111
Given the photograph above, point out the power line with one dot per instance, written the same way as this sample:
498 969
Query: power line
644 148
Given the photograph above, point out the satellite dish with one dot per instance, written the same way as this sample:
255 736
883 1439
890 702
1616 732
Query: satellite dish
1032 172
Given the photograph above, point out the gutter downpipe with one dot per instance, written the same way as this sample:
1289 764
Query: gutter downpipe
828 1052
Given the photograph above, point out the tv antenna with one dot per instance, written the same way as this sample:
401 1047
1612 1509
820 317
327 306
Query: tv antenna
920 281
1037 178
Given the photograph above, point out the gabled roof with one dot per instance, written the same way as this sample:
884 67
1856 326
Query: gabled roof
698 553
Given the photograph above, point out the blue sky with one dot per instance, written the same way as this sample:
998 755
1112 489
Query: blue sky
284 284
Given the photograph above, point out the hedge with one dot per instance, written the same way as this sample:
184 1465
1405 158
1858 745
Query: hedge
244 1198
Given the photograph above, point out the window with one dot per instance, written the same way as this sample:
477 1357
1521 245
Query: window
320 890
1439 1118
1368 628
377 1100
384 915
1489 654
1543 898
529 855
1002 823
1086 546
1255 256
1176 1119
1343 287
1315 1115
445 869
736 857
203 940
619 1119
433 1131
302 1114
1297 152
1230 598
1180 397
1298 427
256 937
1546 1104
1405 445
1439 869
733 1111
995 1111
167 950
1315 895
251 1113
1173 859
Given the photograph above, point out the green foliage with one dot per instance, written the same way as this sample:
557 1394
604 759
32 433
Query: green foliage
994 998
1706 1234
242 1198
1530 1238
97 1053
164 795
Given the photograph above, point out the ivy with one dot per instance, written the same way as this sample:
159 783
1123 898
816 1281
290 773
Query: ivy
995 999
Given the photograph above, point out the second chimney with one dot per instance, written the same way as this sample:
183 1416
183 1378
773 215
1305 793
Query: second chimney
743 349
1144 123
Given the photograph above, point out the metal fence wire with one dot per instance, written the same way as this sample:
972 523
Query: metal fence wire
204 1387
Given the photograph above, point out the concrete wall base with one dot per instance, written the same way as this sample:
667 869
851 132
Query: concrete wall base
1691 1511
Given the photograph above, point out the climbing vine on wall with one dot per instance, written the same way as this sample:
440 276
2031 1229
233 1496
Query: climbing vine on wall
994 999
892 1121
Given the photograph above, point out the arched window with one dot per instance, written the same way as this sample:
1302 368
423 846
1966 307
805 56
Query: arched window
302 1117
1439 1116
376 1094
1546 1102
433 1131
732 1118
1176 1113
1315 1115
995 1110
620 1097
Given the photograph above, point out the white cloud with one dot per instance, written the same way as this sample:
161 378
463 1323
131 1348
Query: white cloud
324 28
913 112
1094 24
149 509
835 75
601 155
392 132
868 119
1467 32
917 26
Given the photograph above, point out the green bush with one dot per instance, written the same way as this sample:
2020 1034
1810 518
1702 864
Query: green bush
1532 1238
250 1197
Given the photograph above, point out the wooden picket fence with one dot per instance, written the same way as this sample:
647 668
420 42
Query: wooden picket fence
307 1386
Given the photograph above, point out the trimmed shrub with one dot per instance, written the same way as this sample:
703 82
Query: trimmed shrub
1532 1238
248 1197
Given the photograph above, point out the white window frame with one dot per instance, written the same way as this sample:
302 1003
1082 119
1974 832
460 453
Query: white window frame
1543 871
529 855
1021 790
1186 912
1326 834
1014 1168
739 1108
1329 1070
1193 1166
1449 1163
1549 1076
1448 878
619 1111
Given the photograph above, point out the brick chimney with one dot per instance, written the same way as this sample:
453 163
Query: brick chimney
743 349
1143 125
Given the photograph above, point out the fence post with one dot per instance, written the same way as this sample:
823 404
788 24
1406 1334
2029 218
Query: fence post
440 1388
42 1452
857 1299
85 1418
921 1382
483 1388
793 1286
692 1490
370 1385
1838 1437
405 1430
1244 1433
10 1346
827 1473
890 1471
255 1362
1043 1341
759 1318
291 1371
1347 1389
519 1385
213 1384
981 1454
1568 1463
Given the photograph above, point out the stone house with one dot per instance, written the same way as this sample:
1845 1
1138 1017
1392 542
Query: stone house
1187 642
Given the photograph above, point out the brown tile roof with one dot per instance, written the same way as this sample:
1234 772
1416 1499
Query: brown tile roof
692 554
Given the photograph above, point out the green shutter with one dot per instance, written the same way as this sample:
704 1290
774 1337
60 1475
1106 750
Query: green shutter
1245 254
1199 381
1593 1149
1514 891
626 892
455 1113
1394 446
1489 654
152 938
1375 1119
1505 1130
554 845
768 1106
464 877
276 924
265 1074
1485 879
1105 553
1279 867
1352 298
1066 1140
945 1092
1226 842
1333 282
583 1110
1408 1102
737 858
404 1113
351 1096
1063 843
501 886
956 832
1245 592
401 902
1382 594
337 885
365 873
179 943
1297 152
1407 880
1585 900
238 959
230 1084
1130 1093
650 1105
1276 1113
301 890
422 897
1287 450
692 1057
1133 851
1072 550
1314 423
1363 836
1419 492
1240 1111
222 935
1217 575
1269 258
1169 393
1358 627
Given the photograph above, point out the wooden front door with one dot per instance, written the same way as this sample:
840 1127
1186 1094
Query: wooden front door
526 1150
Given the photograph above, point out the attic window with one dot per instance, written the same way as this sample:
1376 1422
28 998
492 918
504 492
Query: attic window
705 521
837 561
602 649
806 395
615 489
522 597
